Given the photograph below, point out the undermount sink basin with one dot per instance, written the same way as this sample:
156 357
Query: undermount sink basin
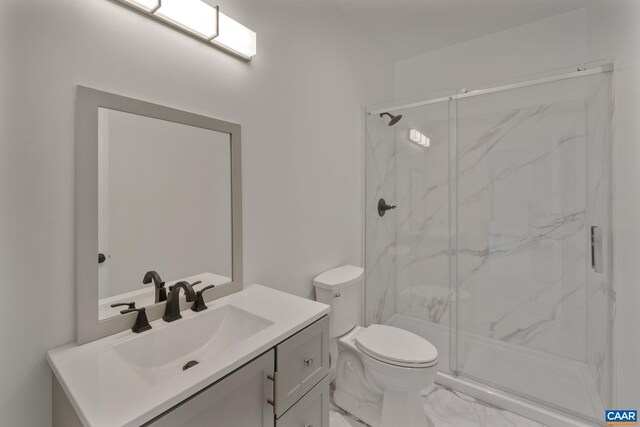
163 353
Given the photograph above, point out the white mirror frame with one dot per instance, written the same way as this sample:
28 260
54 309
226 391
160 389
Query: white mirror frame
88 326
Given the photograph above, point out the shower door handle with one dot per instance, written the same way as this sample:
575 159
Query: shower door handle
596 249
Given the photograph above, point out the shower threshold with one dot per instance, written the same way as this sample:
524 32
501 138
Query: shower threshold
544 378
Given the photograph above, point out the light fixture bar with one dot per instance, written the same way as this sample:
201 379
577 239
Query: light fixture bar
201 21
145 5
217 25
194 16
235 37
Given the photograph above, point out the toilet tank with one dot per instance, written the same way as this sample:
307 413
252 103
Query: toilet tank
341 288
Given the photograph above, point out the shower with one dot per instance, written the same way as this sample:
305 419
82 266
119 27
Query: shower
489 253
394 119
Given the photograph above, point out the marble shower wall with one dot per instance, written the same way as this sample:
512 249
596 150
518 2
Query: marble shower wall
380 233
423 215
522 236
524 230
407 250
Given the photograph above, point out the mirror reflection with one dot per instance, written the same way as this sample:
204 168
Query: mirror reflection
164 209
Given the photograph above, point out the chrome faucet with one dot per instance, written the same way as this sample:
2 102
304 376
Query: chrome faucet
172 310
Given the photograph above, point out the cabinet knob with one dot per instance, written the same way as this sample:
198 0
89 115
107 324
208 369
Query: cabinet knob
309 362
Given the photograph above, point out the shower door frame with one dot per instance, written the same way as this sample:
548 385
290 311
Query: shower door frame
464 93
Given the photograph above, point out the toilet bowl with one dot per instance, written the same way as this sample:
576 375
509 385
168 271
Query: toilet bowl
380 371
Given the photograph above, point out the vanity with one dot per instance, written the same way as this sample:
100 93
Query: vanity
263 359
167 333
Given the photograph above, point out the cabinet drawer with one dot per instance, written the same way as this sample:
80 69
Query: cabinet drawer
302 362
311 411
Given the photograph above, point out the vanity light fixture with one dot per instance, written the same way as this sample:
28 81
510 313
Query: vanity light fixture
235 37
191 15
418 138
146 5
202 21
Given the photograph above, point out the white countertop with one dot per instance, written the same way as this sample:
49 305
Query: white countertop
105 391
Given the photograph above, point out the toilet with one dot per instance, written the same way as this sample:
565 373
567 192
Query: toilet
380 371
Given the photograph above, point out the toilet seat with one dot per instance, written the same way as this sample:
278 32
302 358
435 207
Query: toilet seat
396 347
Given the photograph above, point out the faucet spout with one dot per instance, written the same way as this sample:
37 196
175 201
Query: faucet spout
161 291
172 309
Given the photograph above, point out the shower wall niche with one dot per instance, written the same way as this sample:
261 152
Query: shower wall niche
488 254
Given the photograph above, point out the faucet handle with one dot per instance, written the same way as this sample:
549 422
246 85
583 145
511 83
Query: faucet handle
131 305
199 305
142 323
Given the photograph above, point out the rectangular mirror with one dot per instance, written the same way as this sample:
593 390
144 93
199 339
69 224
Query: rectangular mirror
164 205
157 191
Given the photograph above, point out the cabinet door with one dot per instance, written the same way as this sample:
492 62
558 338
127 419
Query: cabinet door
310 411
239 400
302 362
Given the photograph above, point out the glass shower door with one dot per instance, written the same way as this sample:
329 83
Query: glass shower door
532 185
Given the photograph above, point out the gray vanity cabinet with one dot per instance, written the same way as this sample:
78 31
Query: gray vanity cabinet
310 411
302 362
239 400
287 386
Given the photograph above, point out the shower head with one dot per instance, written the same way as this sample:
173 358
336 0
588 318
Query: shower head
394 119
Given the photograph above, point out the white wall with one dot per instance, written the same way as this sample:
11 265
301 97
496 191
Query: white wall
606 30
299 103
538 47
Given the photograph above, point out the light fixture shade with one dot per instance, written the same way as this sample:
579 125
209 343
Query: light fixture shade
235 37
194 16
146 5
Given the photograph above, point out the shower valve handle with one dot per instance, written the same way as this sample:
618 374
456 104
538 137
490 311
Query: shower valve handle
383 207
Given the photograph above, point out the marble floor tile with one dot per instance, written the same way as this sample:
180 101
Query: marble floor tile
337 419
448 408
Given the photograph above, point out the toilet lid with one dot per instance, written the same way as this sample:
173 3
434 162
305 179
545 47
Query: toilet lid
397 346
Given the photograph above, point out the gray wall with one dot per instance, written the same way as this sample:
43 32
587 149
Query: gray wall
299 103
